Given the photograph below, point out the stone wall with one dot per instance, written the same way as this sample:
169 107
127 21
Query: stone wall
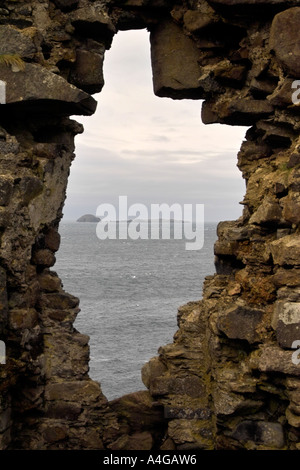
228 380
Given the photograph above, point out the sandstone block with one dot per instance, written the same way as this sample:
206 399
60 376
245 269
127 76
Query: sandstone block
287 277
43 257
85 391
240 322
284 39
286 251
195 20
6 187
52 239
92 22
59 300
275 359
140 412
151 370
35 85
87 74
286 322
66 5
175 65
23 318
30 187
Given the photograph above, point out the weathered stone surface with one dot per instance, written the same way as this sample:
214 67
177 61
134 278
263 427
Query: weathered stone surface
92 21
87 74
196 20
286 322
174 63
240 322
284 39
73 391
43 257
275 359
6 187
35 85
268 213
230 379
23 318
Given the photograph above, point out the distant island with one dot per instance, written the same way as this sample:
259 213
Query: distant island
88 218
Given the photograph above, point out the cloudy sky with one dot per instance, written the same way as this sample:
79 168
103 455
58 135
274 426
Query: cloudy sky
153 150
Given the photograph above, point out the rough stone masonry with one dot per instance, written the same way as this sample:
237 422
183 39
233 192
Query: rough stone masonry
228 380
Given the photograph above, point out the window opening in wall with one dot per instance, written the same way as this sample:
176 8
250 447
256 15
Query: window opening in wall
152 150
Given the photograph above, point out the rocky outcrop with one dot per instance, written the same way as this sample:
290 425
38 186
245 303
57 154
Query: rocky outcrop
230 379
88 218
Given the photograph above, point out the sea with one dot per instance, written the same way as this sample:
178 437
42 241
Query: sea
129 291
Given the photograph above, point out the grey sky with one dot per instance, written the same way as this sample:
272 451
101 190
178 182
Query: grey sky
153 150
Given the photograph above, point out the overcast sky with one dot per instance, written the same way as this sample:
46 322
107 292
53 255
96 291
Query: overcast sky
153 150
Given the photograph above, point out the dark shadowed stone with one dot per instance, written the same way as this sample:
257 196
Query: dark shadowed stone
59 300
195 20
88 75
52 239
144 3
240 322
92 22
5 190
84 391
260 432
55 433
64 410
66 5
43 257
286 277
282 95
23 318
49 150
284 39
175 65
139 411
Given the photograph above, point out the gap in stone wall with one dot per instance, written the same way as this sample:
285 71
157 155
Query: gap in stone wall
154 151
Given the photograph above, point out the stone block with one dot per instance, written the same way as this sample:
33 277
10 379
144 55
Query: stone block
6 187
240 322
286 251
36 85
88 72
175 65
284 39
286 322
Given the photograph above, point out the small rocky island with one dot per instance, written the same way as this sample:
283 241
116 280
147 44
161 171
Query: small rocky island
88 218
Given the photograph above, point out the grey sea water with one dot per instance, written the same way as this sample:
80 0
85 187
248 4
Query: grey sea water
129 293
